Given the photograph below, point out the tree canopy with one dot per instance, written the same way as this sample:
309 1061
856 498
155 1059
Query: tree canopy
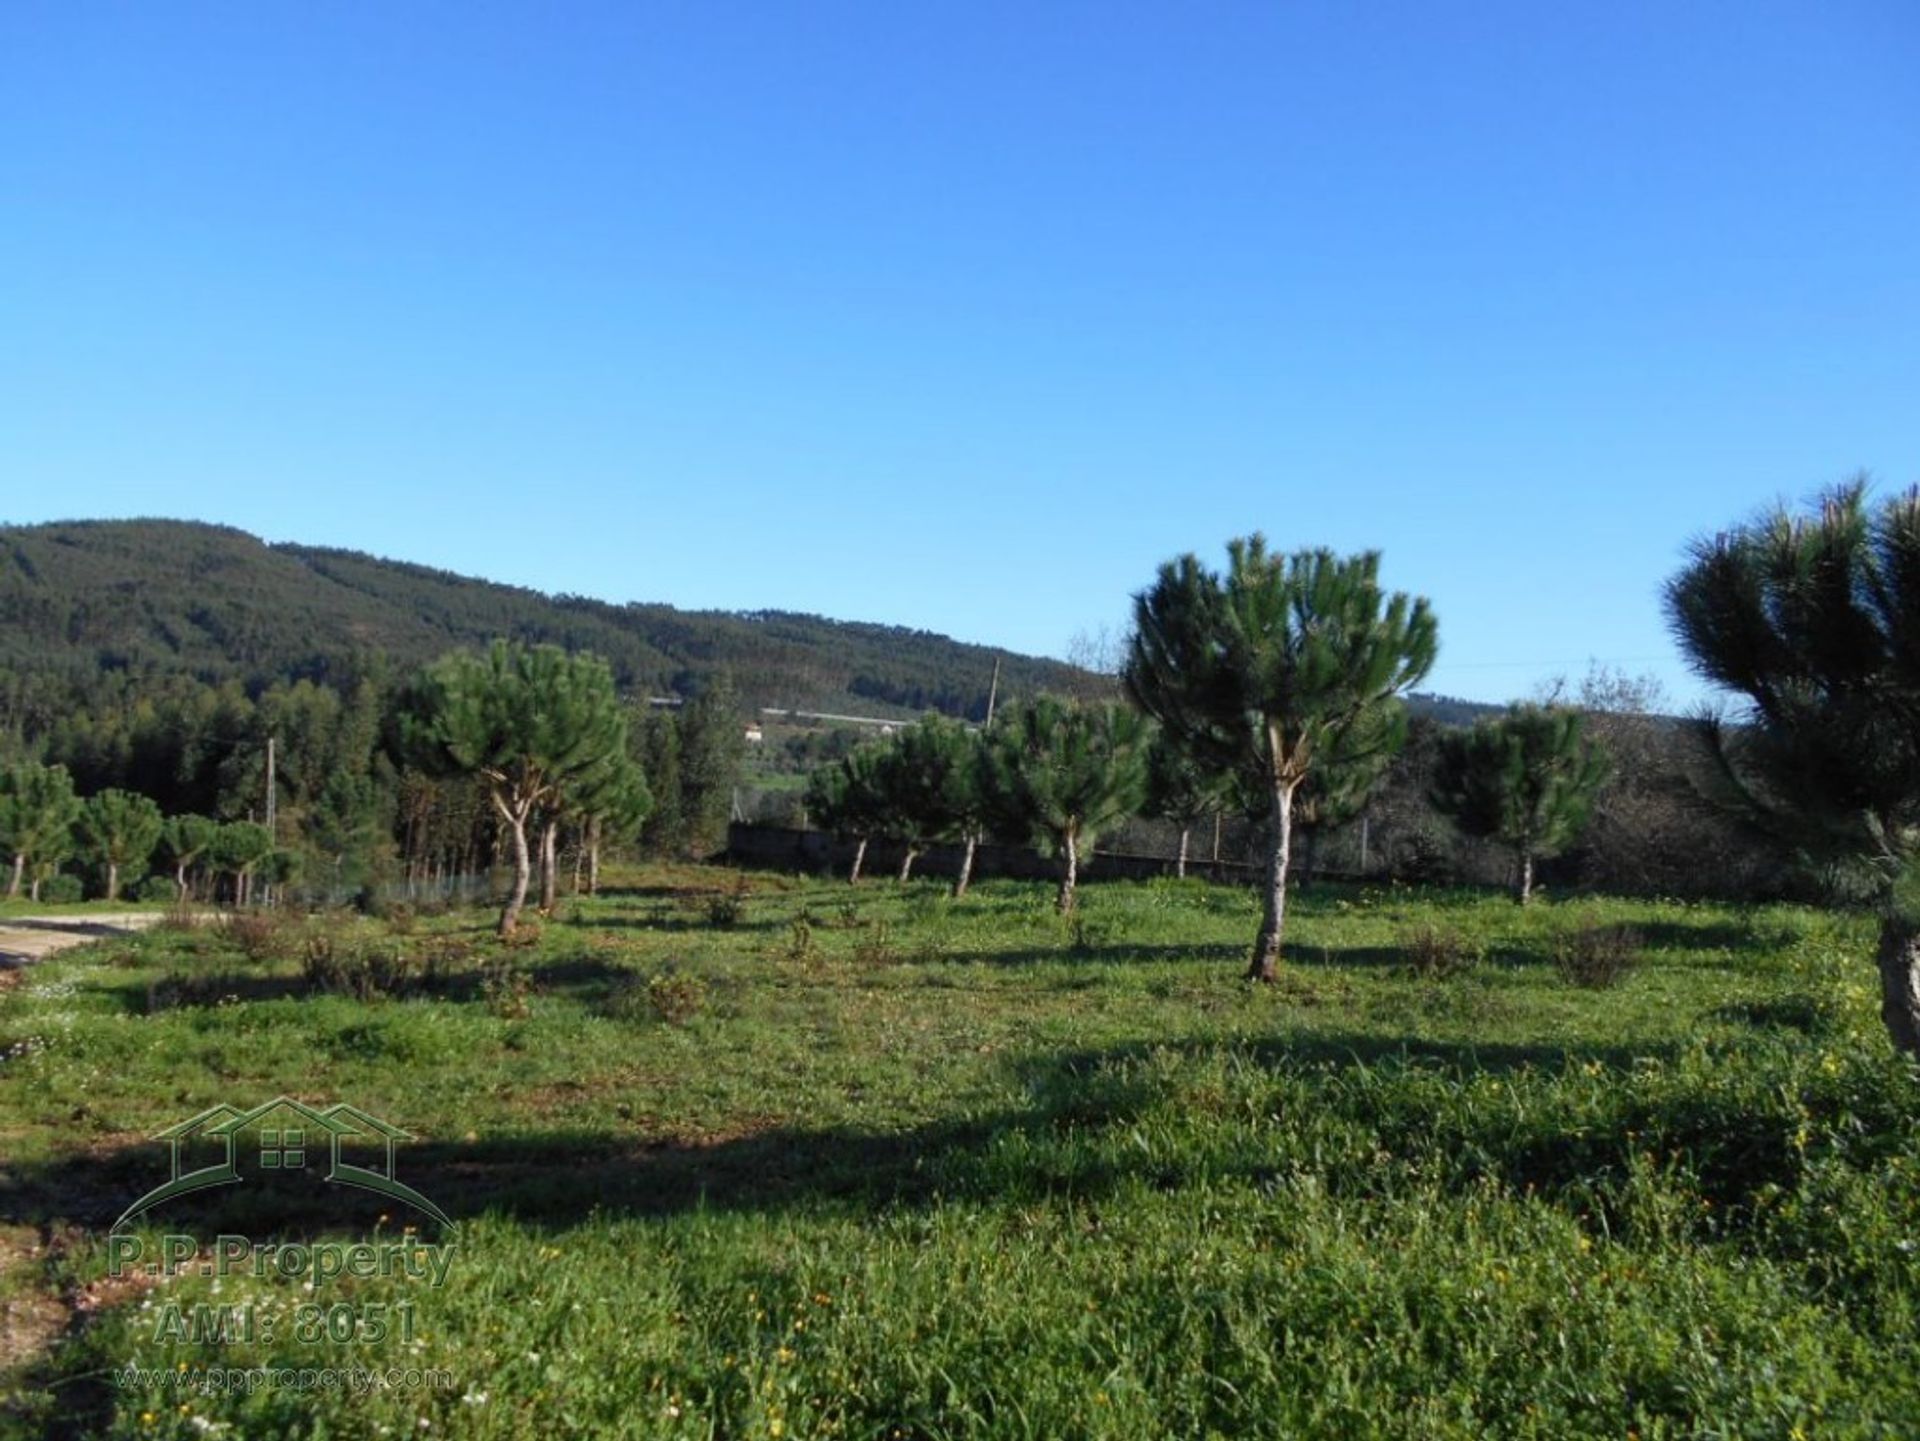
1813 619
1272 665
527 721
1060 774
1527 779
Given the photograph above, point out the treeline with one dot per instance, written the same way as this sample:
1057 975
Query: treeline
356 812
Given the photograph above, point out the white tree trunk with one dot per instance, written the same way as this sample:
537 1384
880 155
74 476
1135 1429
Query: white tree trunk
1266 947
1070 872
965 878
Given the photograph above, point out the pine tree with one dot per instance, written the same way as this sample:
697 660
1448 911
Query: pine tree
119 831
657 749
185 840
931 776
1180 790
1271 666
1060 773
526 721
239 849
37 812
849 798
712 742
1814 620
1527 780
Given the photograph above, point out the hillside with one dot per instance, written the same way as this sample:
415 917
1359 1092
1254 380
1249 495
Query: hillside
160 597
83 603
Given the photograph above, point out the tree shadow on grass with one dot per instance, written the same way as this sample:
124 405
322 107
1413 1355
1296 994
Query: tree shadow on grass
555 1176
1371 1142
677 925
1103 954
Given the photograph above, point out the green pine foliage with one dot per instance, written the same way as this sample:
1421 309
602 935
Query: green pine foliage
118 831
1814 622
1527 780
38 809
527 721
1059 774
1273 668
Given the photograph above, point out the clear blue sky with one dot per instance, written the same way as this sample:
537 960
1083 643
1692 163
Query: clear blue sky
965 316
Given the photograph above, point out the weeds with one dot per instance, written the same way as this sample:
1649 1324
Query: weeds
259 935
1439 953
1597 957
506 989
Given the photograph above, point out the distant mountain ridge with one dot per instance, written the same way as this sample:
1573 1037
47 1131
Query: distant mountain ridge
183 597
157 598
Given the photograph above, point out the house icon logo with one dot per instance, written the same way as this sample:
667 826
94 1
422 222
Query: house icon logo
279 1136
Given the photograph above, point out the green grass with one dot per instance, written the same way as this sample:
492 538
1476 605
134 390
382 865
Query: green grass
897 1166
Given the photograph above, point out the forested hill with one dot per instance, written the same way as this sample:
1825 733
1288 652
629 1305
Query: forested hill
92 607
152 598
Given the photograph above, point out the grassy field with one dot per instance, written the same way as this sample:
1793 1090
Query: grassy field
764 1157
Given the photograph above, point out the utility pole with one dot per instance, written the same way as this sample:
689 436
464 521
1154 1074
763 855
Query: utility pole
271 789
993 690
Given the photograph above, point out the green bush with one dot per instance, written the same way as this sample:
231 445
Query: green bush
676 998
155 888
62 890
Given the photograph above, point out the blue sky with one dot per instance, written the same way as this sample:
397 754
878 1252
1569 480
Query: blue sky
966 316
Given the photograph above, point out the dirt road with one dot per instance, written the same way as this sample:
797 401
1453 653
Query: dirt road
28 938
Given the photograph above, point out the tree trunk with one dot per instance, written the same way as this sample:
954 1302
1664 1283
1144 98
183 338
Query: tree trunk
906 864
1070 873
1180 866
522 871
33 892
1900 982
113 881
1523 884
549 885
859 859
579 863
19 870
965 878
593 858
180 883
1266 946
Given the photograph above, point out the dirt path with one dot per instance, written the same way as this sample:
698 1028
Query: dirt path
28 938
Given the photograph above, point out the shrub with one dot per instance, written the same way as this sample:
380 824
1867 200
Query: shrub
724 911
1596 957
800 939
506 989
1438 953
181 918
676 998
62 890
155 888
364 972
1085 936
258 935
876 947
